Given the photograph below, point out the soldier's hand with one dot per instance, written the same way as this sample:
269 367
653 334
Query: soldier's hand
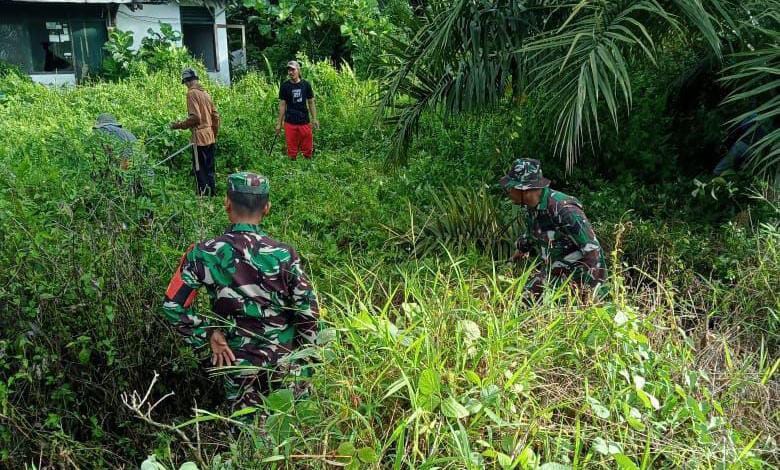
519 256
278 129
221 354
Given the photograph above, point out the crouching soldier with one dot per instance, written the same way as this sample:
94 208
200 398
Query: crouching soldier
263 305
557 231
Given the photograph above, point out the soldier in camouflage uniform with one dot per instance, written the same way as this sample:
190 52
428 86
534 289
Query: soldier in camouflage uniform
263 306
557 230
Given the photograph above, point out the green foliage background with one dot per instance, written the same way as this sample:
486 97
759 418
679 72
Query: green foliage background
434 360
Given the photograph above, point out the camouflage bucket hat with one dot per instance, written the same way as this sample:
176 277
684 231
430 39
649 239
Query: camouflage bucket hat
248 183
526 173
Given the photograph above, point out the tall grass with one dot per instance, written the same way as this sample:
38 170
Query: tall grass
430 361
447 366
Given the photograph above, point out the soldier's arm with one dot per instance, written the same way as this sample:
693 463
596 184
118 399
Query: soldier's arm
179 298
305 308
578 228
523 243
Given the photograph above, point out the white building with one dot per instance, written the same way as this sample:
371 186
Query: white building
60 42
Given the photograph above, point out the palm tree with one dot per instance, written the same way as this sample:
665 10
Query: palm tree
472 54
755 75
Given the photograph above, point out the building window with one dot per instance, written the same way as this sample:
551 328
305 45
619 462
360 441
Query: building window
65 39
54 51
198 35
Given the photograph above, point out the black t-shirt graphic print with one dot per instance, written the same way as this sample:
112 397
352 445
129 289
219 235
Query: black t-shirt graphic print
295 95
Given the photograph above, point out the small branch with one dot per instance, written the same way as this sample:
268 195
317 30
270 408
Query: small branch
135 403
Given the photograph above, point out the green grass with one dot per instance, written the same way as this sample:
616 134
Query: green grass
445 366
433 358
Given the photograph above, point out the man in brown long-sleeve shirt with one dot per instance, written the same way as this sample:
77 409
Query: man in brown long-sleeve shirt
203 121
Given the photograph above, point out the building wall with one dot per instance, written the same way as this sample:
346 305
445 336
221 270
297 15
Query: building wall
54 79
223 57
139 21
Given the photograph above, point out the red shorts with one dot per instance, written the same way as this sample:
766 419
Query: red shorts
298 137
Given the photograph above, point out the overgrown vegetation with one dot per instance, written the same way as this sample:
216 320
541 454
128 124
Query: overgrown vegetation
355 32
157 51
431 356
575 62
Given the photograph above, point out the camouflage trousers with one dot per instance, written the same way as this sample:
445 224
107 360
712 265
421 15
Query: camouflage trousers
246 384
260 368
557 273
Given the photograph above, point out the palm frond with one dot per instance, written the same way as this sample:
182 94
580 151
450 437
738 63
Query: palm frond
467 54
583 66
463 57
755 76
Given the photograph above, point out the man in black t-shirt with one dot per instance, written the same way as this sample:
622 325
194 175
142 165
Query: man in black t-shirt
296 101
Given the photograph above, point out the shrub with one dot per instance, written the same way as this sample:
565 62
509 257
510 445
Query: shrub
158 52
86 267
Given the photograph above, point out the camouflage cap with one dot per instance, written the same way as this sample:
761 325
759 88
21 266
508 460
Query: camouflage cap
526 173
248 183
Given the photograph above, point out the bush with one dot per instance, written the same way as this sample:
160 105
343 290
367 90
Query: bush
417 340
157 52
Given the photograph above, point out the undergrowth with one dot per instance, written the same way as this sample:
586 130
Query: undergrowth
432 356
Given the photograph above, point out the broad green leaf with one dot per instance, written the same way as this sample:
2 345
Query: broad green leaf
639 382
504 460
452 409
648 400
429 383
625 462
472 377
604 447
527 457
429 389
473 406
367 455
600 410
346 448
84 355
151 463
280 400
633 417
188 466
273 458
490 394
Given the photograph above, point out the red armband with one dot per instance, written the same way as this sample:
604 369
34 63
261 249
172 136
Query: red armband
177 290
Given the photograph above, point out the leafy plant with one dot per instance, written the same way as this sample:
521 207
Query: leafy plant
120 54
352 31
754 77
459 220
576 58
433 360
158 51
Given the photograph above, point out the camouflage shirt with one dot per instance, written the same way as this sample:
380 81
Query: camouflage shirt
259 295
560 233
